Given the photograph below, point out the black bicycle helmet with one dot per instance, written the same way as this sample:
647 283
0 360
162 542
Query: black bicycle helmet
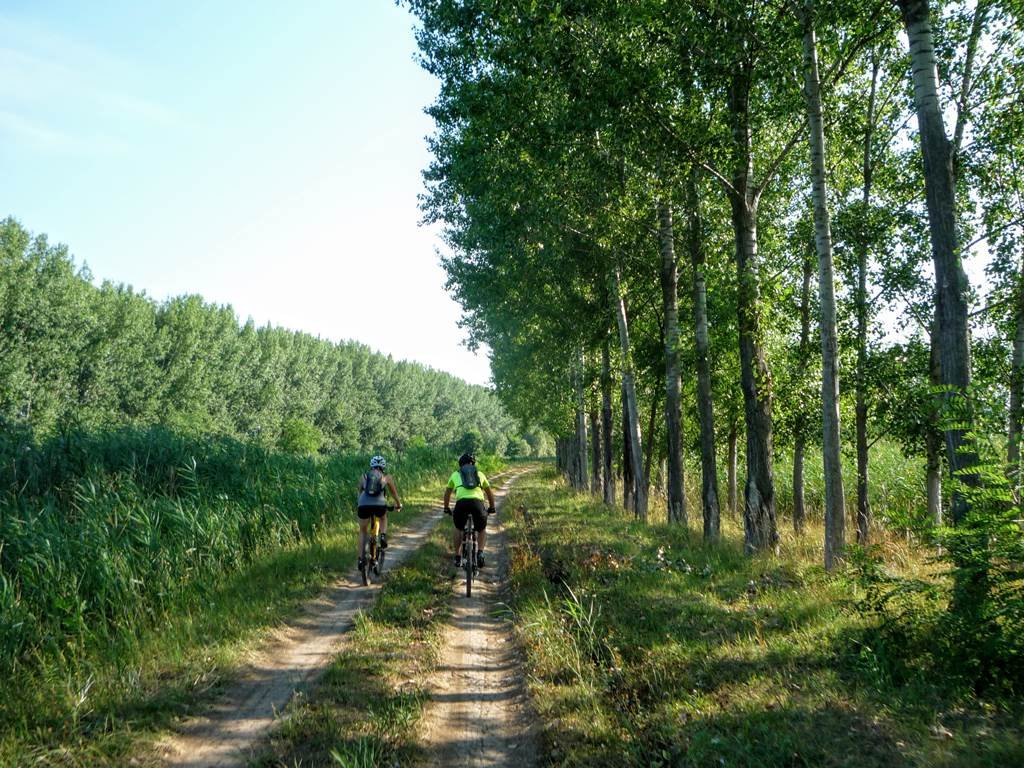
467 458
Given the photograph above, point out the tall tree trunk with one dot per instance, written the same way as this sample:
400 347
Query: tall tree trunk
1013 431
629 473
651 442
950 281
861 300
933 479
629 390
733 438
760 532
933 433
705 405
606 423
835 501
574 458
580 448
595 451
673 406
800 422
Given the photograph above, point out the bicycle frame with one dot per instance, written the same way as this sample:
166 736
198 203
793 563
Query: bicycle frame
374 560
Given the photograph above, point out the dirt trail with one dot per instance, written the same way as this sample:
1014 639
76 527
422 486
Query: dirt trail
227 733
291 661
479 715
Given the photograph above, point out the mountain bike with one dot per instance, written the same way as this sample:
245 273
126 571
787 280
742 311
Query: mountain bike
373 561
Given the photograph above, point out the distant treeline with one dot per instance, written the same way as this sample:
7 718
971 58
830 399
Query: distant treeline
74 356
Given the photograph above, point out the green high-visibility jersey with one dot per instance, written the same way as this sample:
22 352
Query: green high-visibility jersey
455 483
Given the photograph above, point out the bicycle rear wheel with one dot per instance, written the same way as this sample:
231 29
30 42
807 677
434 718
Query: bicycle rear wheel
469 562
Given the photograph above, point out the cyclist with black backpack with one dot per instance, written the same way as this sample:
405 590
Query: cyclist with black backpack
374 487
471 487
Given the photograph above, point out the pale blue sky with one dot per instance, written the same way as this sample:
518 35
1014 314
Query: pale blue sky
265 155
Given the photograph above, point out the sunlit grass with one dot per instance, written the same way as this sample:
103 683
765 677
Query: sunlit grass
696 655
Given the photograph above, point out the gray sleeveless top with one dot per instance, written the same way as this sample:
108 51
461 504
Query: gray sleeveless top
366 500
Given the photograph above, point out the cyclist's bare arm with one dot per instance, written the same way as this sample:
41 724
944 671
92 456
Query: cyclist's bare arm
394 491
447 497
490 496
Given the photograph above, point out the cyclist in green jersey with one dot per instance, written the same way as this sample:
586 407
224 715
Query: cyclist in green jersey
471 488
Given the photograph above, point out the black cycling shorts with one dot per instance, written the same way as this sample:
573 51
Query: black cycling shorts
466 507
366 512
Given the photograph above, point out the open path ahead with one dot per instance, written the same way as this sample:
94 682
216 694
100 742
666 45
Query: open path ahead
293 660
478 714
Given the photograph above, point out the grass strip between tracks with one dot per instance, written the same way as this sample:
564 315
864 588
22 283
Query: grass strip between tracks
646 647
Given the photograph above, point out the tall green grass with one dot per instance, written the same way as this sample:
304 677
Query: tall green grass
101 534
896 485
896 489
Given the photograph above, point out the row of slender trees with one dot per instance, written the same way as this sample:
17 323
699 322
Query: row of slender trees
794 163
77 356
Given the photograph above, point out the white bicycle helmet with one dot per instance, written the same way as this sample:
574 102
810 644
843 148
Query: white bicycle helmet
378 462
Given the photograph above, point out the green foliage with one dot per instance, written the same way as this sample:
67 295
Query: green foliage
301 437
896 493
490 464
967 627
102 532
518 448
78 356
540 443
470 442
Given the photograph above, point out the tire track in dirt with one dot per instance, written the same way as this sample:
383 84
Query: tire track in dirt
479 714
293 660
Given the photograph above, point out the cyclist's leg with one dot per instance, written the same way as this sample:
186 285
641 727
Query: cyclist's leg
383 519
480 524
374 527
363 524
460 517
457 547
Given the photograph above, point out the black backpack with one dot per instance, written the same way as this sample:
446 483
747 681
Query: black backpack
373 483
468 475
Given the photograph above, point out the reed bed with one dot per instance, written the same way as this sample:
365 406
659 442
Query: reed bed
103 534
